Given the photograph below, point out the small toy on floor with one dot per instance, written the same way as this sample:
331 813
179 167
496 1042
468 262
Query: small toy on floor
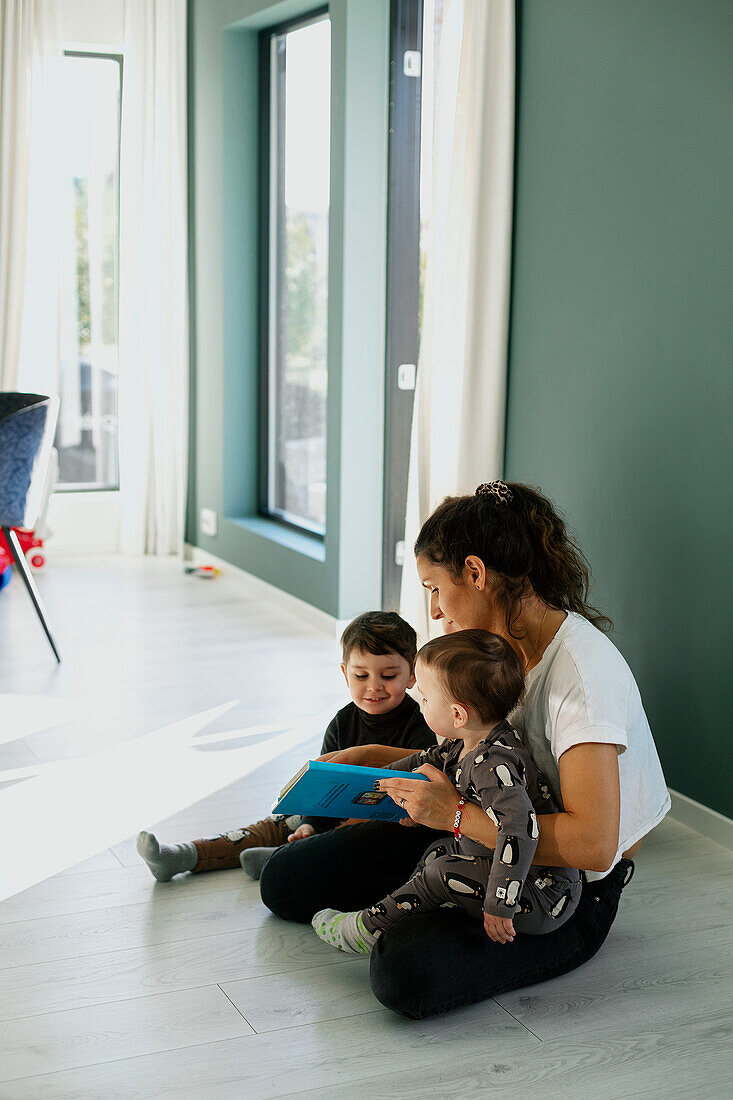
207 572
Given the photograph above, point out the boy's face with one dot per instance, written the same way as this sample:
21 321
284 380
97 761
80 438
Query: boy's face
438 712
377 681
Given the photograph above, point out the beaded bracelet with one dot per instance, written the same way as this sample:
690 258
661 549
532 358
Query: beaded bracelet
457 819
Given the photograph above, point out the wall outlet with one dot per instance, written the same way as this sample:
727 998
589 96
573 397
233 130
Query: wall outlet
208 522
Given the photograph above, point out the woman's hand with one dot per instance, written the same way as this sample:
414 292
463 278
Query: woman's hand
366 756
433 804
302 832
499 929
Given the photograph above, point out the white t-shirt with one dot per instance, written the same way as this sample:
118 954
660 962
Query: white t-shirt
583 691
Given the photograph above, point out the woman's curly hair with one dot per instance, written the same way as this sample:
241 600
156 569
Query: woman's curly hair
522 540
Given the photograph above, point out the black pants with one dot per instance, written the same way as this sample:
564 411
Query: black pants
435 961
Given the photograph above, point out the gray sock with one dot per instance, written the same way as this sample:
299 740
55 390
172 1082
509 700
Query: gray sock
166 860
254 859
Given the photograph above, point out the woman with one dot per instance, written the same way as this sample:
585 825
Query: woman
502 560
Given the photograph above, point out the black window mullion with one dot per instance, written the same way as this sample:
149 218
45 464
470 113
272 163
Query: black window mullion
403 281
263 394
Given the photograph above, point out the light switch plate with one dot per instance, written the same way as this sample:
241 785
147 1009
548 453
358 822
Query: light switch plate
208 522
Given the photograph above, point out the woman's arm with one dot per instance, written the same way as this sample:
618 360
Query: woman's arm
585 835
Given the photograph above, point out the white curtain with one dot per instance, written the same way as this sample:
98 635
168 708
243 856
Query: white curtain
459 413
29 43
153 278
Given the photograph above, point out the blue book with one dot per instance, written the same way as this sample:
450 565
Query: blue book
321 789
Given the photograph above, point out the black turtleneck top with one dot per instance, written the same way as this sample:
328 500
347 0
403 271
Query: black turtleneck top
402 727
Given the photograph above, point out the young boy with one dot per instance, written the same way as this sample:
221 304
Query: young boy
378 659
469 682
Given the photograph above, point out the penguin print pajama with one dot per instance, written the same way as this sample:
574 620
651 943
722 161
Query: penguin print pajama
500 776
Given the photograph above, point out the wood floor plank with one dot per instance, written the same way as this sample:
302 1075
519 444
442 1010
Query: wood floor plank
659 935
668 831
663 861
651 1065
269 947
628 991
87 1036
159 920
102 861
294 1060
64 895
709 880
329 992
665 854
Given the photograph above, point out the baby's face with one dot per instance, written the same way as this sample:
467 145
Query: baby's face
437 710
377 681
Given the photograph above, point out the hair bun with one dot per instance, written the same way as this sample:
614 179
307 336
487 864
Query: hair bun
498 490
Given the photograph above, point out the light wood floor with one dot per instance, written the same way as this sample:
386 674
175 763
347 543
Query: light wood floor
113 986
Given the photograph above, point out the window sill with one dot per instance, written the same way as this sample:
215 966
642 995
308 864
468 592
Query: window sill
85 490
299 541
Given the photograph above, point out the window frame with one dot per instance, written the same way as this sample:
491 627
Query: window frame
403 281
265 264
83 486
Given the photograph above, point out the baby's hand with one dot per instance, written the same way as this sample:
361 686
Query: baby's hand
499 929
301 832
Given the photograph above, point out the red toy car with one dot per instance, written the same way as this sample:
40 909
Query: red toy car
31 546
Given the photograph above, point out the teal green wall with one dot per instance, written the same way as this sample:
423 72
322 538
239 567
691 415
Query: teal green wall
621 361
342 575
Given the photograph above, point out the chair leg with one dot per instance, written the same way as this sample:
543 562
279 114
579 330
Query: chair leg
24 570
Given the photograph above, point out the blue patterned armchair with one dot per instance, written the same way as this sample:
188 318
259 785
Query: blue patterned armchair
27 426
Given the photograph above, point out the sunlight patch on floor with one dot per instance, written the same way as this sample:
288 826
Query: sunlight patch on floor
67 811
22 715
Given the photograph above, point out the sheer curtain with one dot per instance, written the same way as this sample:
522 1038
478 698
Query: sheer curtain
29 44
459 412
153 278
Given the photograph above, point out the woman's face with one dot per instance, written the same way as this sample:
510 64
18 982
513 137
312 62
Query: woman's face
464 605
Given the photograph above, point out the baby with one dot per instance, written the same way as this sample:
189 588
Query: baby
469 682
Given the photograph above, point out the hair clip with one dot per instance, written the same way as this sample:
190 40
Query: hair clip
500 492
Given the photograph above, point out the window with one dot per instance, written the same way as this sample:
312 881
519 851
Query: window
296 112
89 89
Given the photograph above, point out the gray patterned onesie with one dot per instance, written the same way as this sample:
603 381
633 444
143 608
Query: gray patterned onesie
500 776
